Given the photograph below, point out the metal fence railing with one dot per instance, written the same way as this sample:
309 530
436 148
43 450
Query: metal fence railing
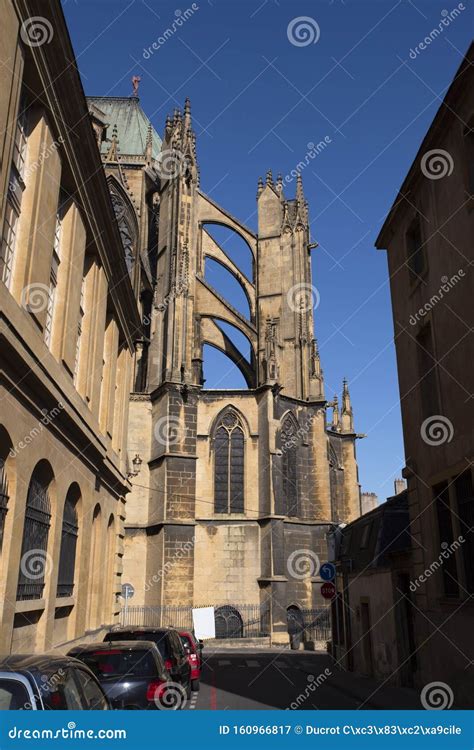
317 624
239 621
234 621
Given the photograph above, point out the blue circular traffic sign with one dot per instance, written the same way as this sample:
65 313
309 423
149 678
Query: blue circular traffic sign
327 571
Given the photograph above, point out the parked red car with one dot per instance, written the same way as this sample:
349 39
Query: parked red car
193 650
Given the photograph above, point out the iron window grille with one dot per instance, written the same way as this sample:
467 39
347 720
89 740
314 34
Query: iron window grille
67 555
33 563
3 500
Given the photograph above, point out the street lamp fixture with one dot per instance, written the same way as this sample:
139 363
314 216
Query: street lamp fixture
136 463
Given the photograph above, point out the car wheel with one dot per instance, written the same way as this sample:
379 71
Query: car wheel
195 686
188 690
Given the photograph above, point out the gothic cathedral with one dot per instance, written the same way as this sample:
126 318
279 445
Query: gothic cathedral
235 490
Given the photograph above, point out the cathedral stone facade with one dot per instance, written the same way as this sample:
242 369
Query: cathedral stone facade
237 488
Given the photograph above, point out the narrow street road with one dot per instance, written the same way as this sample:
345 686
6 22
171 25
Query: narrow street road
273 679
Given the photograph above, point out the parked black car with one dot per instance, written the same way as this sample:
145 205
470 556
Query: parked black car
169 645
48 682
133 674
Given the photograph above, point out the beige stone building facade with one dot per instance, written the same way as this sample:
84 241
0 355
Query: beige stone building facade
68 321
428 236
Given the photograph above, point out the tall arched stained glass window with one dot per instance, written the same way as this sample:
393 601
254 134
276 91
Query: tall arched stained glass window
289 441
229 456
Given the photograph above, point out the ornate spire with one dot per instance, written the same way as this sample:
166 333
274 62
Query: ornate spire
187 112
180 140
259 186
346 413
335 415
299 189
269 178
300 199
316 371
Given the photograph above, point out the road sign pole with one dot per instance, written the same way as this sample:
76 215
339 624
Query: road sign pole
127 593
337 612
126 606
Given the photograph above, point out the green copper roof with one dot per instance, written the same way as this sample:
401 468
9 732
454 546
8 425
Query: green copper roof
131 122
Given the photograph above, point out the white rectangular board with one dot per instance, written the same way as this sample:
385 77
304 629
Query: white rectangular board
204 622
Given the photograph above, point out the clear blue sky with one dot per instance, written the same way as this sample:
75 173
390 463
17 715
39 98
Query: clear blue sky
257 101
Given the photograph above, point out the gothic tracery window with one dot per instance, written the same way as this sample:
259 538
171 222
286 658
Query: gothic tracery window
229 465
289 442
126 222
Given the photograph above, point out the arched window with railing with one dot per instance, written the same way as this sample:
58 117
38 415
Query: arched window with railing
69 535
34 561
229 466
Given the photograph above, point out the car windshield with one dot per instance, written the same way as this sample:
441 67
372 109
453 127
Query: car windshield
120 663
159 638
